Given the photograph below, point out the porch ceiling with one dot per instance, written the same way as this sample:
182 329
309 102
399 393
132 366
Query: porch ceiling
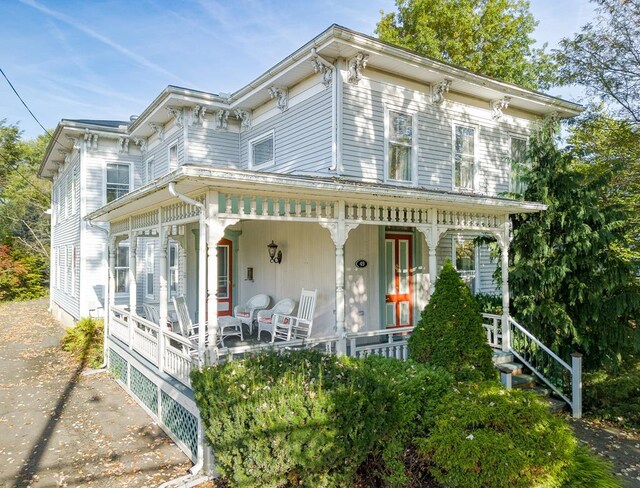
191 179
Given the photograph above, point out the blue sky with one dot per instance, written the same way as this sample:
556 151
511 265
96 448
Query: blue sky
110 58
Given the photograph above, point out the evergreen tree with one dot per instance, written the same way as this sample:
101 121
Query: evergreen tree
569 285
450 333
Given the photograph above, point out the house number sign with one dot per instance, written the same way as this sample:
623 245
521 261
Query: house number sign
361 263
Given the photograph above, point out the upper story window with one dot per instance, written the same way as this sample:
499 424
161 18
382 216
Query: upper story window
464 157
399 147
122 267
262 151
519 165
173 156
118 180
150 174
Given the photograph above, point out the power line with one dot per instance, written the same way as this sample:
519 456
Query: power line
23 102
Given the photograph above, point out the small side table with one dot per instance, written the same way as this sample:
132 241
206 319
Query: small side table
228 327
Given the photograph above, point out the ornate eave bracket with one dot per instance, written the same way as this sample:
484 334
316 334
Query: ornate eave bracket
123 145
75 142
158 129
355 67
281 94
432 234
91 140
245 118
197 115
439 89
503 236
321 65
221 119
141 143
178 114
339 233
499 106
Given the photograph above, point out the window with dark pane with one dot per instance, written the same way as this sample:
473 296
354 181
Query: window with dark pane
464 157
117 180
400 146
262 151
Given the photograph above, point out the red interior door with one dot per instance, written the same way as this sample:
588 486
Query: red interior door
398 282
225 285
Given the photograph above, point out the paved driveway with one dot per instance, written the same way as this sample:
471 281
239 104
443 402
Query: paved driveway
60 428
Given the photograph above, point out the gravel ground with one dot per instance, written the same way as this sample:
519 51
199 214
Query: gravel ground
61 428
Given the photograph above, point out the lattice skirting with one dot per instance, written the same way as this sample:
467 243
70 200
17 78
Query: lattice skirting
174 412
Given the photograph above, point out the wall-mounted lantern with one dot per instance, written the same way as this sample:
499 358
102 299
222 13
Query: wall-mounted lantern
274 255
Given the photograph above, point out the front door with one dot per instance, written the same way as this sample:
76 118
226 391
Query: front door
398 291
225 285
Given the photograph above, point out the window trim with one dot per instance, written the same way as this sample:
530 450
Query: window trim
177 163
123 245
104 178
149 161
175 267
149 263
475 173
522 137
264 136
414 146
476 258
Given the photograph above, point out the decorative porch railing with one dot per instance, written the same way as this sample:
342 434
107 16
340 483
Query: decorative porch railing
324 344
493 325
390 343
171 353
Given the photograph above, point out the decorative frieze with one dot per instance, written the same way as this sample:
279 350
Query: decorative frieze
439 89
281 94
221 119
355 67
178 114
158 129
498 106
245 118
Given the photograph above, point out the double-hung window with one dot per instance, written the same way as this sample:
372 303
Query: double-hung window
118 180
122 268
262 151
464 157
149 263
399 142
519 165
174 257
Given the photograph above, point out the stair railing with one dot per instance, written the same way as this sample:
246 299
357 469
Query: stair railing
563 379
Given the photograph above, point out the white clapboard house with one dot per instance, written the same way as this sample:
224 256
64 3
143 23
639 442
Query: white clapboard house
368 166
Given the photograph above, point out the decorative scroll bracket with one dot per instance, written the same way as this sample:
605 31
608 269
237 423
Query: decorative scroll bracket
91 140
245 118
221 119
141 143
339 234
355 66
178 114
498 107
197 115
320 65
158 129
439 89
281 94
123 145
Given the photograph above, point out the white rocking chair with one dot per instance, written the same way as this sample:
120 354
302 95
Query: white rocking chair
287 327
265 317
189 330
248 313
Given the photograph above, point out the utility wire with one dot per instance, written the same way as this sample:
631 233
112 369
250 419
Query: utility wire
23 102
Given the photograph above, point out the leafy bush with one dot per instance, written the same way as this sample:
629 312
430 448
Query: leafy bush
308 419
589 471
489 303
85 341
450 333
484 435
21 275
614 394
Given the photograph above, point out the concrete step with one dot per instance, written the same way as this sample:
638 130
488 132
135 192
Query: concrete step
555 405
523 381
510 367
500 357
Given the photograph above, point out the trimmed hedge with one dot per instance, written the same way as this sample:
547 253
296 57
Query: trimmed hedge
308 419
450 333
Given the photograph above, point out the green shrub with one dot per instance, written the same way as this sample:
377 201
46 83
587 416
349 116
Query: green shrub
85 341
450 333
589 471
22 275
614 395
489 303
308 419
486 436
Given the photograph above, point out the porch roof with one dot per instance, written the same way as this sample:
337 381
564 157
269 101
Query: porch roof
192 179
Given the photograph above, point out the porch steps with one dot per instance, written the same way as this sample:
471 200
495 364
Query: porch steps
521 379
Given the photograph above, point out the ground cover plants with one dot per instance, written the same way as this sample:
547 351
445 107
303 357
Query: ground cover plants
85 341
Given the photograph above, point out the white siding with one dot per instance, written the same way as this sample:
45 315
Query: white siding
215 147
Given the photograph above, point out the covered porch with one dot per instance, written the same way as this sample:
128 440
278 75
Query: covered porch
371 252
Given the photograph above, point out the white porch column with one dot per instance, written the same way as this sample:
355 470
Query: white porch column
432 234
133 285
113 246
504 239
339 233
